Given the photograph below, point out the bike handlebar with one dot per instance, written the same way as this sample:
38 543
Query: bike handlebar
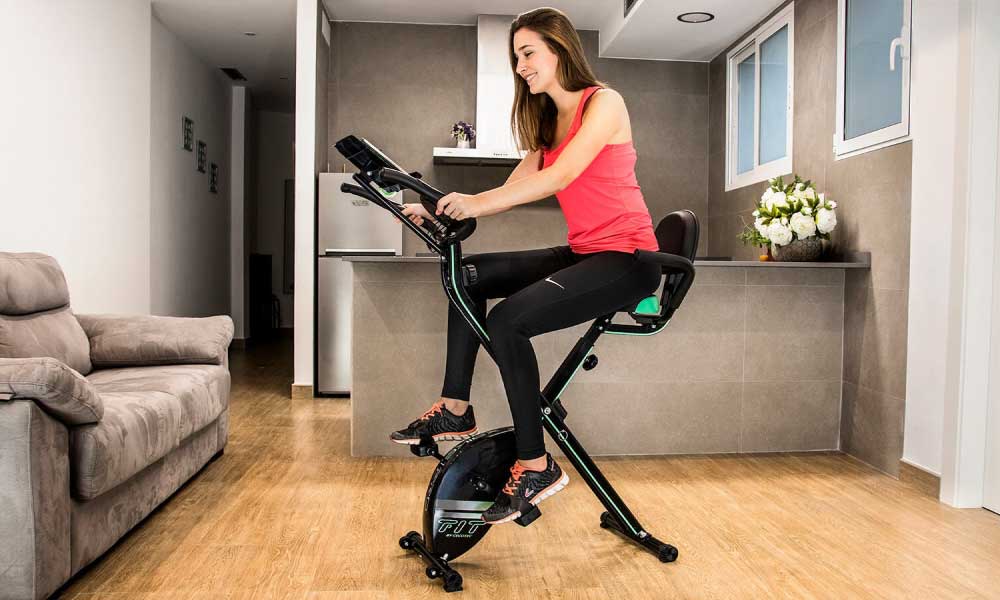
458 230
409 182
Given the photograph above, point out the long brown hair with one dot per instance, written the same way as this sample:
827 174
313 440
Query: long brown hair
533 117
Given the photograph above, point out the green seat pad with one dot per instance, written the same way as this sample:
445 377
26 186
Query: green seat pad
650 305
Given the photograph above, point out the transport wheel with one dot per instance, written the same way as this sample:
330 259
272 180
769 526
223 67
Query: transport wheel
453 582
432 573
406 542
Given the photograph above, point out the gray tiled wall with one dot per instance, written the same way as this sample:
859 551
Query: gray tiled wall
873 192
719 378
402 86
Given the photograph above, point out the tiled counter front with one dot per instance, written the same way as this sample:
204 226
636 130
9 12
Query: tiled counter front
751 362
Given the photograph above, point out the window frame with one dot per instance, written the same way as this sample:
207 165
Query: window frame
751 44
887 136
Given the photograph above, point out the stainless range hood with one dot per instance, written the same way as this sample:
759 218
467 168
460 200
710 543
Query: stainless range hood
494 97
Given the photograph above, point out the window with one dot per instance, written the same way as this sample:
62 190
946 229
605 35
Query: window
759 116
873 75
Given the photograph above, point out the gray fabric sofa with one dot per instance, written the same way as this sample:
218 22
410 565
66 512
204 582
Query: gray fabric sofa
102 418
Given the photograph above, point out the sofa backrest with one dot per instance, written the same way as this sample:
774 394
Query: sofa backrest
35 316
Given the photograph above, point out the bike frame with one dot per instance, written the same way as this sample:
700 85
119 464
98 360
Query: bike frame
553 413
443 236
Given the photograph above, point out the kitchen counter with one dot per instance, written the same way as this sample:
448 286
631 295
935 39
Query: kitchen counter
861 261
751 362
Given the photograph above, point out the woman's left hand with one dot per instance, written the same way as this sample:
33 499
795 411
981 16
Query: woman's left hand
460 206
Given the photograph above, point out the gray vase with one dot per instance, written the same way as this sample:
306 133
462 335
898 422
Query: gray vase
806 250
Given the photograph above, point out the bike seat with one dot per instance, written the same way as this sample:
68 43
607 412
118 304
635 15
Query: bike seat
648 306
677 236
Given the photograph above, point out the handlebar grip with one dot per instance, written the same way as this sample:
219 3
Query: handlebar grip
350 188
409 182
357 190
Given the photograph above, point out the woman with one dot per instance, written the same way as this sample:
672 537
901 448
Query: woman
579 140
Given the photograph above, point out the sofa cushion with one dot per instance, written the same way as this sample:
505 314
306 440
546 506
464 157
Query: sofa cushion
35 317
148 411
55 333
134 341
30 282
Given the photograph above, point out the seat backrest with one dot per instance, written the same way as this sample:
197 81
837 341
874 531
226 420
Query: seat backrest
677 233
35 316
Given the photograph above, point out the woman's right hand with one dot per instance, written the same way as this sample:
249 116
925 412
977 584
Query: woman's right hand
416 213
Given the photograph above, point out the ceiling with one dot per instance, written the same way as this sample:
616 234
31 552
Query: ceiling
652 30
586 14
214 29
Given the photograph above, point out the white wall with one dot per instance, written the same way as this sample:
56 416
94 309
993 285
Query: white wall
189 245
249 157
933 123
238 250
954 238
275 136
974 239
306 26
75 149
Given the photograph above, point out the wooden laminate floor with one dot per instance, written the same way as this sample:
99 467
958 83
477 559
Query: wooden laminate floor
287 513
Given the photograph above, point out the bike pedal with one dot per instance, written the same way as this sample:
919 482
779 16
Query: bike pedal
529 517
426 447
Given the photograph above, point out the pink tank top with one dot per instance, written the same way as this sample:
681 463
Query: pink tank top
604 207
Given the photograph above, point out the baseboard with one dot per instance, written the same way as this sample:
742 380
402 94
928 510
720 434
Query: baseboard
926 483
300 390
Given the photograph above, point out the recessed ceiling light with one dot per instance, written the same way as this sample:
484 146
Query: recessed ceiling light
249 33
695 17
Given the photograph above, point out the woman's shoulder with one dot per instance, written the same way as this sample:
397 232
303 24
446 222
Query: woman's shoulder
606 99
600 90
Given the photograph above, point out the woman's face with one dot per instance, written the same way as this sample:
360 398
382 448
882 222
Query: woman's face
536 63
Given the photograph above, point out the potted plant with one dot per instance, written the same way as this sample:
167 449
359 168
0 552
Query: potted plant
791 220
463 133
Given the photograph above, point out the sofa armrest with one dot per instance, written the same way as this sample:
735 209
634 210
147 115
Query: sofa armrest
58 389
133 341
35 553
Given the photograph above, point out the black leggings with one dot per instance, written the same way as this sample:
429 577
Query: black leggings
545 290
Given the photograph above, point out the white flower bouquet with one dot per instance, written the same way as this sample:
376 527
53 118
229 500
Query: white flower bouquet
788 212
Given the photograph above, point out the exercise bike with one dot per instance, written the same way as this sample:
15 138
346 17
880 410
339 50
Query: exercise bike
468 478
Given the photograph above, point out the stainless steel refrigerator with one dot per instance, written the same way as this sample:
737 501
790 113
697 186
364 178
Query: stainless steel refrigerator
348 225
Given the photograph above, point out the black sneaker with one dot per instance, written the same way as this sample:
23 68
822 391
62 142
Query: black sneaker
525 489
440 424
